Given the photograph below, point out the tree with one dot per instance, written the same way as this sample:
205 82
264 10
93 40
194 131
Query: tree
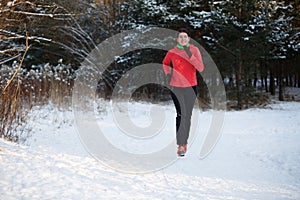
57 30
240 31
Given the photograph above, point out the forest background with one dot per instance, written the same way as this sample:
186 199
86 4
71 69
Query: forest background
255 45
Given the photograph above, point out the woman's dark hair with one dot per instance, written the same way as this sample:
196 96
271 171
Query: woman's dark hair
183 30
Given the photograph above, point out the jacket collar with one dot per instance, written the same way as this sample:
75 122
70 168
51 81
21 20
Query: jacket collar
182 47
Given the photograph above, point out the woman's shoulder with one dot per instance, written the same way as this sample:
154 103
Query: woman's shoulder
193 46
174 49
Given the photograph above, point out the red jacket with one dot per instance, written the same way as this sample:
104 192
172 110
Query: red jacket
184 68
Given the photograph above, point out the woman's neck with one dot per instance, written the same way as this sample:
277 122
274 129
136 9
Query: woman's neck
182 47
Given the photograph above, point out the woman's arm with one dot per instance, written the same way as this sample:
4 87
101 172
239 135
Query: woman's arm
166 63
196 59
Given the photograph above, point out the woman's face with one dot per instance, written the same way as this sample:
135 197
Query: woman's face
183 38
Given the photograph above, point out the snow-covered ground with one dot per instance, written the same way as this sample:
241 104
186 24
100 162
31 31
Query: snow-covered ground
257 157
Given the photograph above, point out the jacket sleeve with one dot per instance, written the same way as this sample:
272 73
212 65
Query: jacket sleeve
196 60
166 63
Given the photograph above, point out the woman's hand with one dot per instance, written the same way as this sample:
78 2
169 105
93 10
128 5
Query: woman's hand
187 50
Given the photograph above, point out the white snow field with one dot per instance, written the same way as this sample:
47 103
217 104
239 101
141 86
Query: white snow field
257 157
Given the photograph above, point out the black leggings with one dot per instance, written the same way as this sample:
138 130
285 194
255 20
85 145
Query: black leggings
184 100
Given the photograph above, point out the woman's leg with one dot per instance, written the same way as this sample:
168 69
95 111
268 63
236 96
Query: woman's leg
184 100
177 98
189 99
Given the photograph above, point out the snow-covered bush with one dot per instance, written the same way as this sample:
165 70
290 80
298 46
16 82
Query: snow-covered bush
38 85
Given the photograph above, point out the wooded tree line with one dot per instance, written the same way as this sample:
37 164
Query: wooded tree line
255 44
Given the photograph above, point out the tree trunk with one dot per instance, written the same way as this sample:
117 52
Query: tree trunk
266 83
272 82
280 76
298 79
255 77
239 86
239 63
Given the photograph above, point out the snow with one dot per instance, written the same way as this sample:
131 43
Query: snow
257 157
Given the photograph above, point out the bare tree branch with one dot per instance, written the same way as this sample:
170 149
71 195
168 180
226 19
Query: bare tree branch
20 64
9 59
18 36
39 14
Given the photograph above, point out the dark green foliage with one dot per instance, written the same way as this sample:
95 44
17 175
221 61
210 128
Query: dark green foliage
254 43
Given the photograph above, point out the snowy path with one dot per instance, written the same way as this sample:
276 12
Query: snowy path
257 157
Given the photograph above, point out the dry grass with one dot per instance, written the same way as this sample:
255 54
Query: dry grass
21 94
23 89
11 114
